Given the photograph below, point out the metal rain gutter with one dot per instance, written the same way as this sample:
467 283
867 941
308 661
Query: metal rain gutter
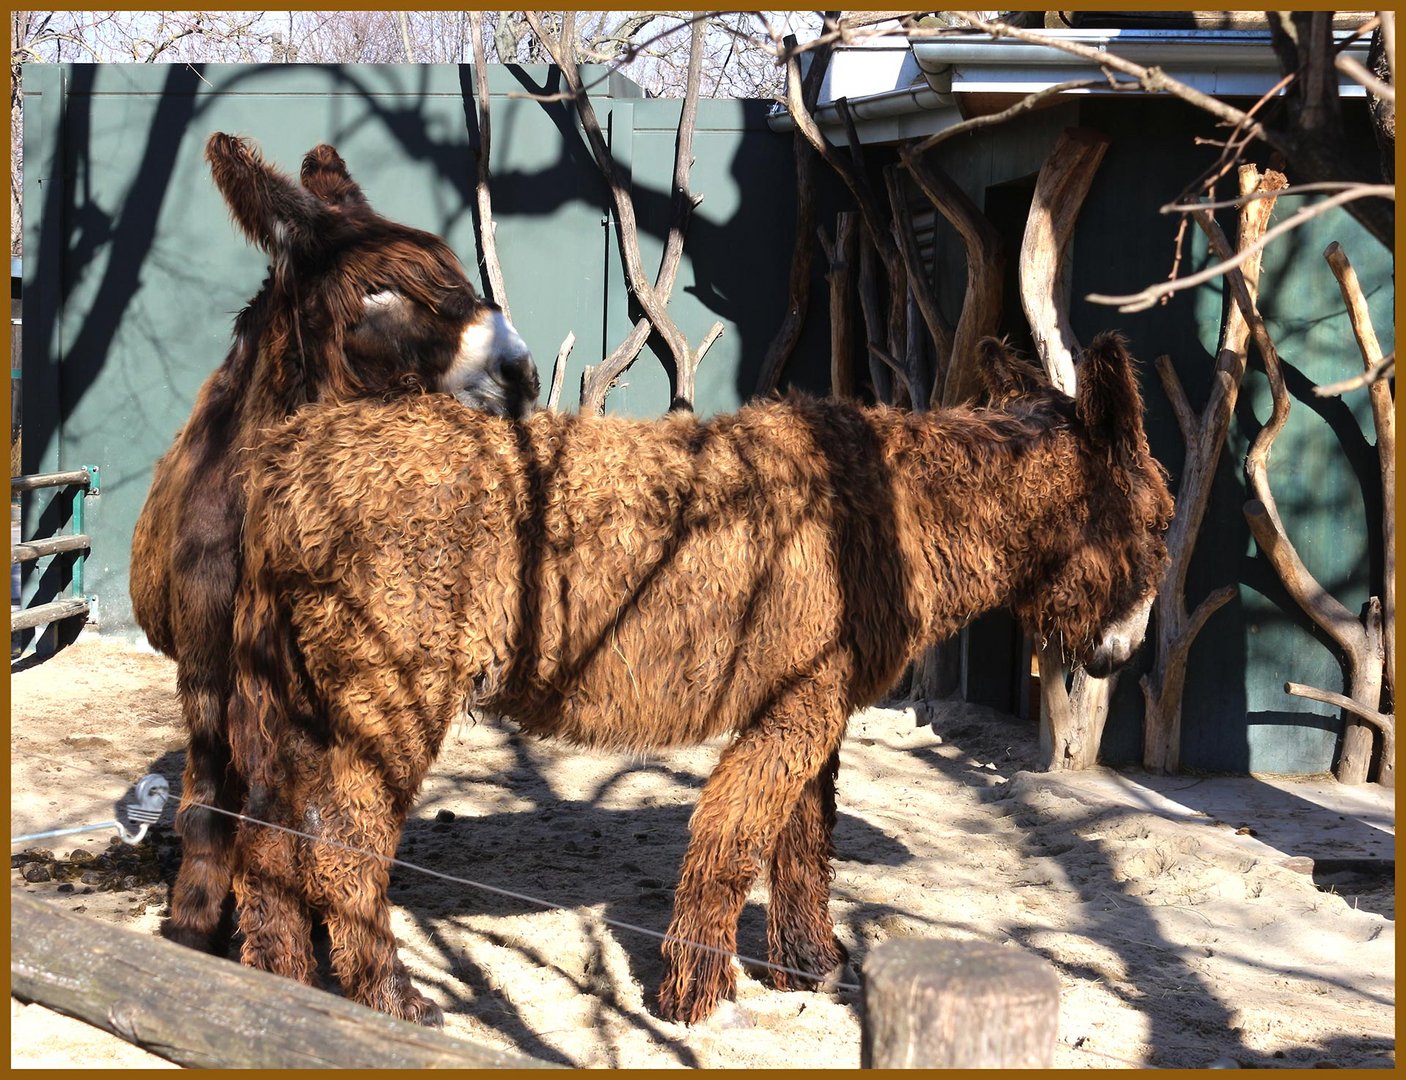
1226 62
904 101
888 93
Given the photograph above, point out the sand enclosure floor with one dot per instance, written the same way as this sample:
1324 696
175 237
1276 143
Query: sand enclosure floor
1189 919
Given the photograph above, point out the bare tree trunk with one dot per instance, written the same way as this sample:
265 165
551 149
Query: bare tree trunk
1204 434
1313 138
1044 271
897 335
559 370
874 326
1361 641
906 238
493 270
596 381
1384 418
1071 719
798 294
842 257
986 269
876 227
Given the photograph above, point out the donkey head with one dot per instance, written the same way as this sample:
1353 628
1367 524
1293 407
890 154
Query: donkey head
1103 552
356 304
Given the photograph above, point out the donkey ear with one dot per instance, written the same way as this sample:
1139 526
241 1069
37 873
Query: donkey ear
275 213
1108 402
1006 375
325 175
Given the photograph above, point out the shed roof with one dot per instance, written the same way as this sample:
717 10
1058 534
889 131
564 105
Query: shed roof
899 88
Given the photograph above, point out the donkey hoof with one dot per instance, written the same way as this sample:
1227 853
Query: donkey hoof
199 940
811 967
690 996
398 997
424 1012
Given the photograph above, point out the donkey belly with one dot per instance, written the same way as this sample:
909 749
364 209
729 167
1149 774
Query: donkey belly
693 645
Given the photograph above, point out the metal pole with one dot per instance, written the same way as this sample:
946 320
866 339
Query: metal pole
76 526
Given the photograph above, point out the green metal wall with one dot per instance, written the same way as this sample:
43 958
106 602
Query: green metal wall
133 270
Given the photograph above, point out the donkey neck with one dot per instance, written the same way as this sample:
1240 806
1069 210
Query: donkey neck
993 495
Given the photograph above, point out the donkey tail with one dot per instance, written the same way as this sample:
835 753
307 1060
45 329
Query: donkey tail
270 686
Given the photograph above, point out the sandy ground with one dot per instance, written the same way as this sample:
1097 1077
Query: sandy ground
1181 914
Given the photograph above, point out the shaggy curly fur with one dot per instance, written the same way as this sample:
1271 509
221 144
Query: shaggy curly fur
643 584
354 305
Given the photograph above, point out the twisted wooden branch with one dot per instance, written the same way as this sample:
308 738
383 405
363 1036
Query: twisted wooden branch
563 54
497 287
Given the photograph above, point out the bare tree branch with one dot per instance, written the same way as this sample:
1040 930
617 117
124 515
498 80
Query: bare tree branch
906 239
1153 79
1241 200
986 264
563 55
783 345
1045 273
493 269
1381 721
596 381
1384 418
559 370
1359 640
1384 368
1024 105
1204 433
1355 71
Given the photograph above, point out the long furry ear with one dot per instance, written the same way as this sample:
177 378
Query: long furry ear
274 213
1107 401
325 174
1006 375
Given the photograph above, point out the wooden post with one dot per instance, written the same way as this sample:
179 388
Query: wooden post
204 1012
957 1005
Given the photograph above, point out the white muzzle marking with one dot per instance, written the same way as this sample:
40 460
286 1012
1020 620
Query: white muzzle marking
485 348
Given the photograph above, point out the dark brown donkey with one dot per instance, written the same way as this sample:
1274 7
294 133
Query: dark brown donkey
353 306
643 584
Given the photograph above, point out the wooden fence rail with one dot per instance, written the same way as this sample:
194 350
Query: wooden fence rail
205 1012
77 543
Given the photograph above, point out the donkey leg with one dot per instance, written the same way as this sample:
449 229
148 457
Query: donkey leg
742 810
201 903
273 912
800 935
364 817
204 572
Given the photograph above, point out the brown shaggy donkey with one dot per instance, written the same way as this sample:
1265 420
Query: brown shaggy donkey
642 584
354 305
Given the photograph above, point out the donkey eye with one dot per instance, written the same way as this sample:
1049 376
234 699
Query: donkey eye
381 298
